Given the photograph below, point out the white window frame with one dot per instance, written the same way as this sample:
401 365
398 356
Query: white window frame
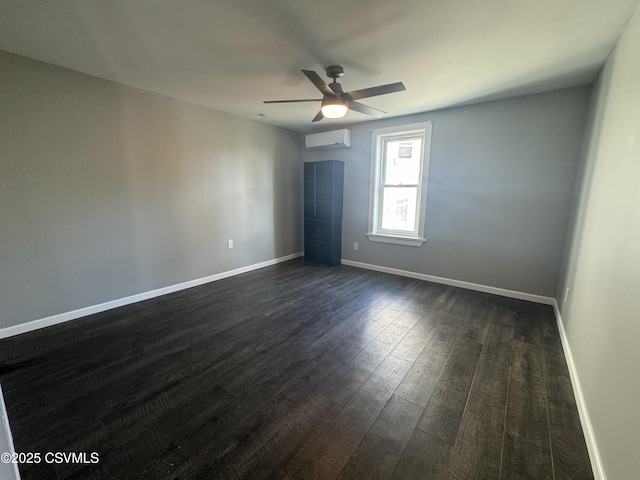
378 138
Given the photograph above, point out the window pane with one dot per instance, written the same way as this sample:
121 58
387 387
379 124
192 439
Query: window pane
402 161
399 208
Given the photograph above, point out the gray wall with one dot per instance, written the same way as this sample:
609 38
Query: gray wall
107 191
499 193
602 263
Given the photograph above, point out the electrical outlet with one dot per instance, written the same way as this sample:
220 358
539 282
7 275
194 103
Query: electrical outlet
230 243
355 245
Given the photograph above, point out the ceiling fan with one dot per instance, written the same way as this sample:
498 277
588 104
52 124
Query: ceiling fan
336 102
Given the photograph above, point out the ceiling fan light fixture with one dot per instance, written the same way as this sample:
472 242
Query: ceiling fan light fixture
334 107
336 102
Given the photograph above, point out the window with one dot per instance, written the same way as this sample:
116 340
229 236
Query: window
399 168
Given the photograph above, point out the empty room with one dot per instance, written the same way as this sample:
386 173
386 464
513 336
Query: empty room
319 240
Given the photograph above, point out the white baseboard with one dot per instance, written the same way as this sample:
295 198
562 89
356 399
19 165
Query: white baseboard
83 312
454 283
585 419
8 471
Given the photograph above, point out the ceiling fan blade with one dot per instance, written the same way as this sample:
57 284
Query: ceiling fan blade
318 82
374 91
366 109
318 117
294 101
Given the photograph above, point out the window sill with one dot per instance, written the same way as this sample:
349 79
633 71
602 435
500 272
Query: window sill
397 239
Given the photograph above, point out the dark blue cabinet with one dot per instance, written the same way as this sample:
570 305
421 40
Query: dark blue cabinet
323 187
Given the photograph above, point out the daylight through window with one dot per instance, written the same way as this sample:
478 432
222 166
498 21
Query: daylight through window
399 170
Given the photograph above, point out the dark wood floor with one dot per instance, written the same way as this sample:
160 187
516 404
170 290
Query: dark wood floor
299 371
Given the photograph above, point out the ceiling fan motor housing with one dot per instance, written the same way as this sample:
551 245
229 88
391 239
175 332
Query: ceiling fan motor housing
334 71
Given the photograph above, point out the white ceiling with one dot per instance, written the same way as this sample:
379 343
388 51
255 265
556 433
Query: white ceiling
232 54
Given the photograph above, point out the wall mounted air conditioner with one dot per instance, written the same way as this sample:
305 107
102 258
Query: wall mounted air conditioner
333 139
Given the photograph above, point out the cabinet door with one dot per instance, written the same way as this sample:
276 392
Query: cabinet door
317 230
309 190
